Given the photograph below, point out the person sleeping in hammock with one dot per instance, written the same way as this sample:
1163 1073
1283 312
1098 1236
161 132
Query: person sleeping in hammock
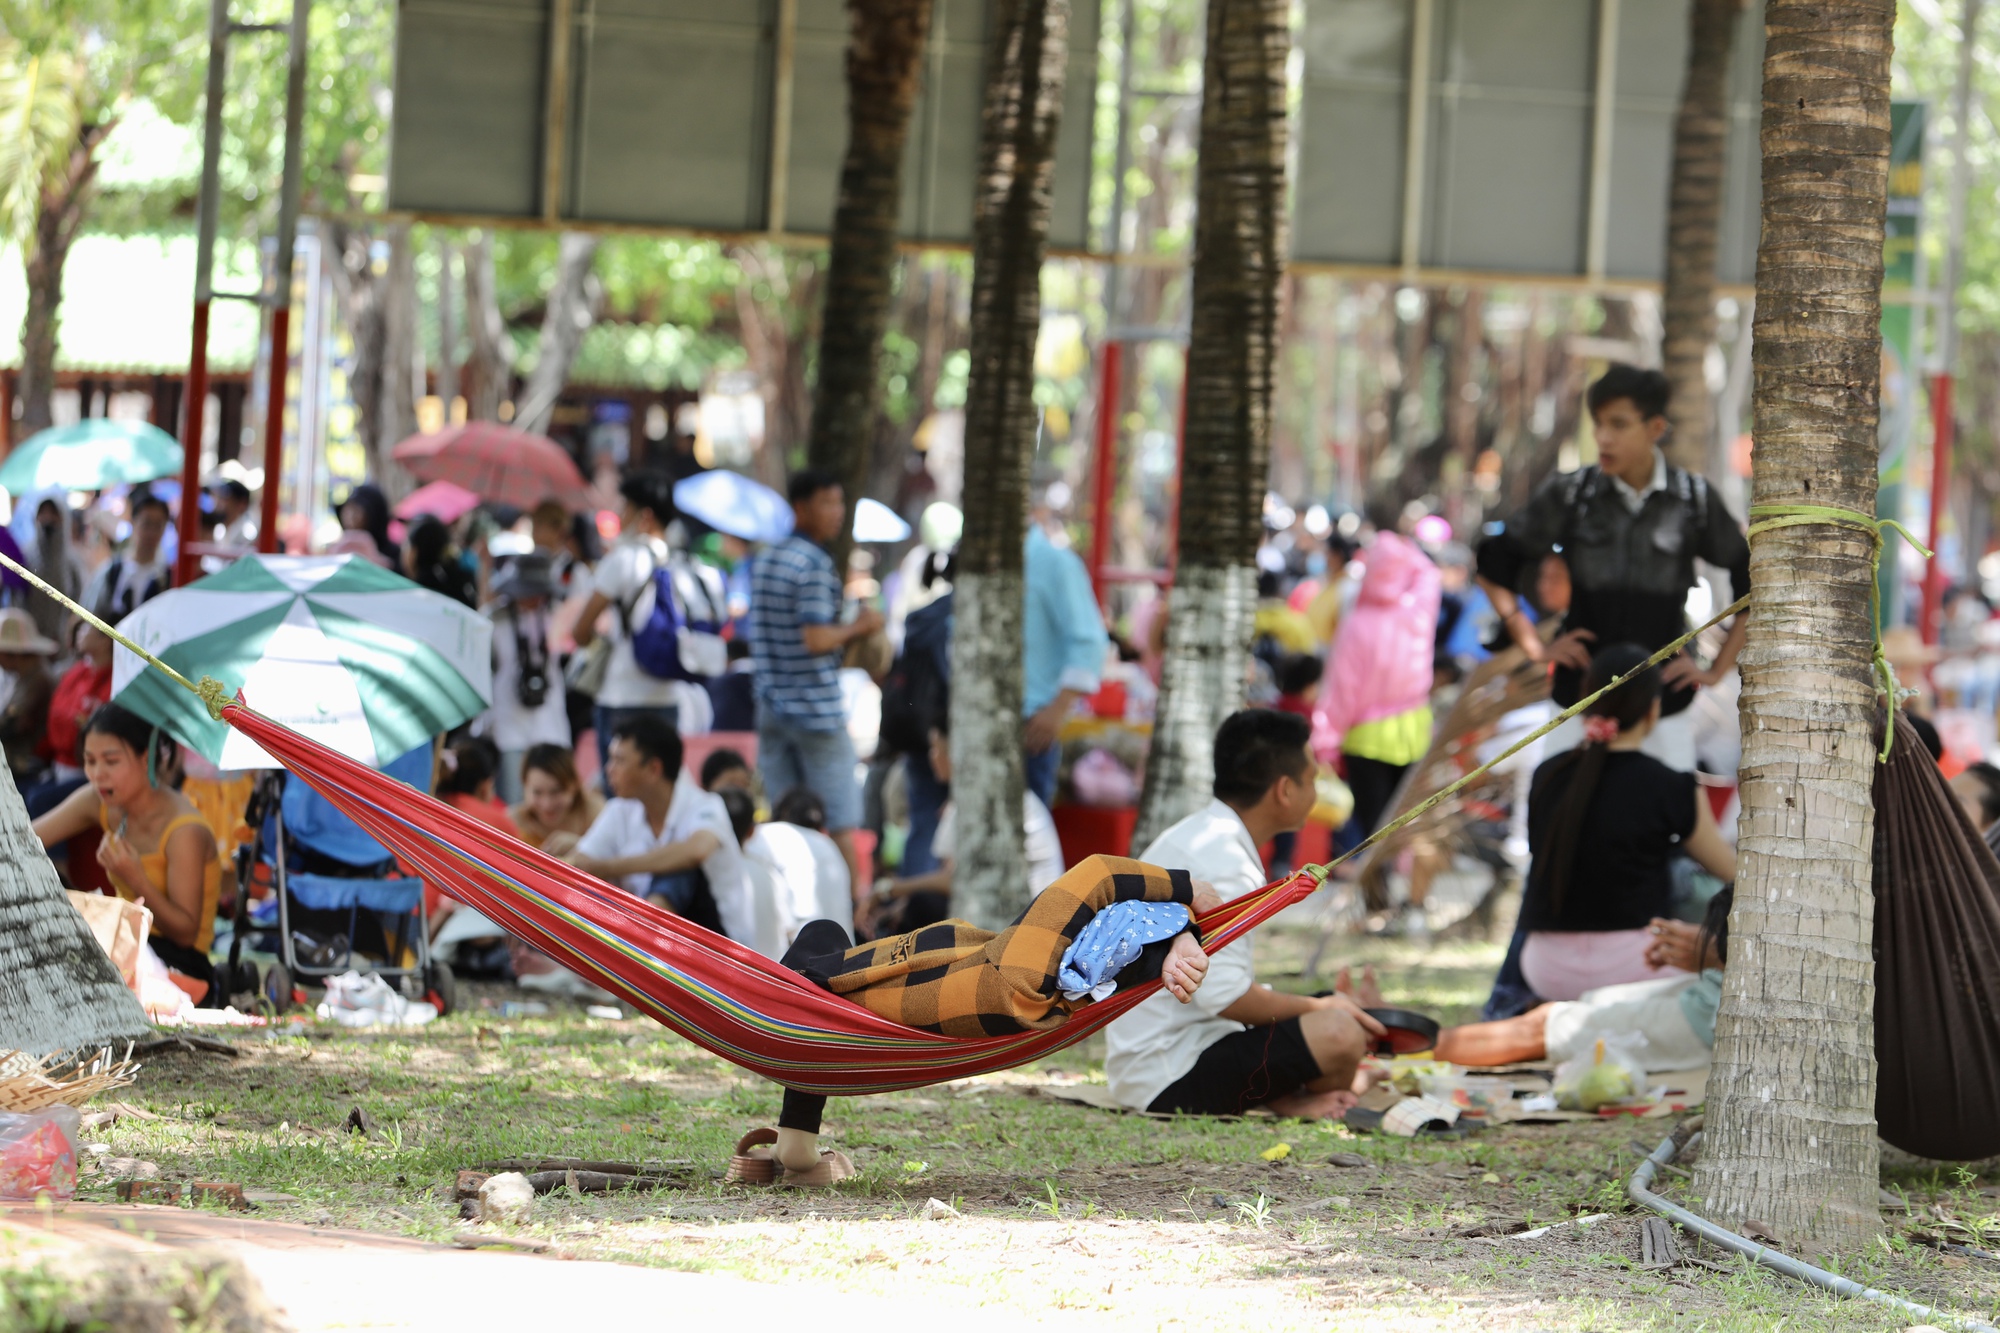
1105 925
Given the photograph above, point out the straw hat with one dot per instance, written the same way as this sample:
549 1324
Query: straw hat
19 635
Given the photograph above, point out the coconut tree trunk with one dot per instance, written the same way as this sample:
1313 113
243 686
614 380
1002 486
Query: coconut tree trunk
1694 219
489 363
884 61
572 308
402 363
64 204
1791 1123
58 988
1027 47
1239 261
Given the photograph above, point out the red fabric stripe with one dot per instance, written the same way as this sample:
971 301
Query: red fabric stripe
726 998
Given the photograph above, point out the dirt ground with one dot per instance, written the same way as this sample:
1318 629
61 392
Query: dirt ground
1071 1216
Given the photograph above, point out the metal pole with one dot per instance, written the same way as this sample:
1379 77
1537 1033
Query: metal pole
1416 129
281 294
555 110
206 202
1947 333
1104 478
1604 119
778 190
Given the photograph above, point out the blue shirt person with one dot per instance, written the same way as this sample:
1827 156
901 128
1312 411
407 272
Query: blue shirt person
1063 653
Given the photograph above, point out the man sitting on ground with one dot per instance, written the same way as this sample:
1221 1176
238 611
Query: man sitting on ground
1239 1044
663 837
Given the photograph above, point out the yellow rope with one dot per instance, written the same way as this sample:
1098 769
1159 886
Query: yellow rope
213 694
1768 518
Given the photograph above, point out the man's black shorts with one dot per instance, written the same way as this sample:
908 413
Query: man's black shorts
1243 1070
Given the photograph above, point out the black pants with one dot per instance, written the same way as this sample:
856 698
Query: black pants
189 962
1374 786
816 939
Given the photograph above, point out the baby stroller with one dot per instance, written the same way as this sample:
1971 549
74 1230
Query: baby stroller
339 901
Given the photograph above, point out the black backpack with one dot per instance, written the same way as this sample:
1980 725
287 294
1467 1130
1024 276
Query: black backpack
917 691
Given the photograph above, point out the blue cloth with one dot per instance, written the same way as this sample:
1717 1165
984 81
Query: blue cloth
1110 941
927 798
1064 642
1039 771
312 822
794 585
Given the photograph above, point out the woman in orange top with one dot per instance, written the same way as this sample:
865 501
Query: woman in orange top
157 848
555 801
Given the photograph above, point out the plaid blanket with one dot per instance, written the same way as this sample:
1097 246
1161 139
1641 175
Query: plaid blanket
956 979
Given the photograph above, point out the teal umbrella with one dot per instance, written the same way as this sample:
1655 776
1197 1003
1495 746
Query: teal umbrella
334 647
90 456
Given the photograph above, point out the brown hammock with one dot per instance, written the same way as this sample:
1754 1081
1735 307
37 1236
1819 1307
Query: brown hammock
1937 964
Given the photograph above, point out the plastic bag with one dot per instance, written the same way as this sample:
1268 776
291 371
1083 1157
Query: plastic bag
1611 1073
38 1153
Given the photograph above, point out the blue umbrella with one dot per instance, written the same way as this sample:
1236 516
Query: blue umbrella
89 456
730 502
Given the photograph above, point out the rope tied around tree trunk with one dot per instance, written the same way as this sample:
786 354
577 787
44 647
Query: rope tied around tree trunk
1769 518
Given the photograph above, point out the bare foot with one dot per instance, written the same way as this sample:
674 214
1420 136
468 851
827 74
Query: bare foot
1313 1105
1368 994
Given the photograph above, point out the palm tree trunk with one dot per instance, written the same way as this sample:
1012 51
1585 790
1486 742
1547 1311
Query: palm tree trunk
884 60
1027 48
571 310
58 988
1238 264
1694 218
1791 1124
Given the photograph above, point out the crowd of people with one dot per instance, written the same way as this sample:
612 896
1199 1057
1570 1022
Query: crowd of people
759 741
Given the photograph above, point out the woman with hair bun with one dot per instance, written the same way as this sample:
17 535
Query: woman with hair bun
1604 820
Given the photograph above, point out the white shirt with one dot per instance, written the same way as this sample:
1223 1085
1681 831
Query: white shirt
1636 500
809 876
134 577
811 870
512 725
771 928
1045 858
1157 1043
625 578
621 830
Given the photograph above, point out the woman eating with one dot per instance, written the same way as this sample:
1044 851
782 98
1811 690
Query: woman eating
157 848
553 799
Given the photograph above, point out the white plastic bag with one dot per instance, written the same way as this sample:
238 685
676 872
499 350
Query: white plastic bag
1610 1072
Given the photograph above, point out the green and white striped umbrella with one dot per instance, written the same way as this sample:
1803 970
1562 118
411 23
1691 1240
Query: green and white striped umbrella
334 647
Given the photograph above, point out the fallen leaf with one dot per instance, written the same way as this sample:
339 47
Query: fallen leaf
1277 1152
1489 1179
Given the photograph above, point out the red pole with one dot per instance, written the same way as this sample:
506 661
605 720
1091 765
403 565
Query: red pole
1105 476
196 392
1941 439
274 417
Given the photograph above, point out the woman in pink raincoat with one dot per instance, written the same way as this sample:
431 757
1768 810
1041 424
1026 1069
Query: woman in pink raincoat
1374 704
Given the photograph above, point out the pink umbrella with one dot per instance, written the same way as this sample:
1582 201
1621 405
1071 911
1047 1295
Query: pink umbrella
497 463
446 501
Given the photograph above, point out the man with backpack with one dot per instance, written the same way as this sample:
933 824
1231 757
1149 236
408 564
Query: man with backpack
797 638
667 615
1630 528
140 572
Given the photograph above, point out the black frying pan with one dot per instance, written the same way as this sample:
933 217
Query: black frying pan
1409 1031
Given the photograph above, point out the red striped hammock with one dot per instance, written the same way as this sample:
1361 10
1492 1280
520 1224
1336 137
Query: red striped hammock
716 993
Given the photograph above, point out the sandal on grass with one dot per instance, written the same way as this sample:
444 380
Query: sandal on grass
832 1168
755 1162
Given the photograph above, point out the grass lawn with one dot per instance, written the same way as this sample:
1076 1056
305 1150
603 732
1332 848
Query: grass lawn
1072 1216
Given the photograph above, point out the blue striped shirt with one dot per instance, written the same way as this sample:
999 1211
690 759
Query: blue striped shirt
794 585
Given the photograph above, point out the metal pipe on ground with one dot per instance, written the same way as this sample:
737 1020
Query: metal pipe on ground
1639 1190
